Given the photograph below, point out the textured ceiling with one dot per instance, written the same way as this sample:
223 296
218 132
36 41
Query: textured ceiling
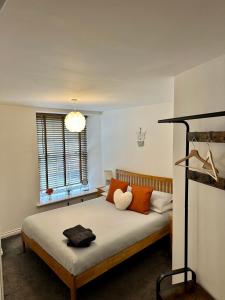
106 53
2 2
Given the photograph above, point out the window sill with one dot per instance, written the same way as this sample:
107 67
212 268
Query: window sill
65 197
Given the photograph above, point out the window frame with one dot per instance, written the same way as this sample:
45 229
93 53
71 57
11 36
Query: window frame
83 154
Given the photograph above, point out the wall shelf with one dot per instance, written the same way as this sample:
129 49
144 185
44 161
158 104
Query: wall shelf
206 179
210 136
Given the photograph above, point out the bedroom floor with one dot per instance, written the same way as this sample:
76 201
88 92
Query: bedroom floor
26 277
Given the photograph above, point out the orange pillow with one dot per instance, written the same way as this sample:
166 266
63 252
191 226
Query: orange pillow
114 185
141 199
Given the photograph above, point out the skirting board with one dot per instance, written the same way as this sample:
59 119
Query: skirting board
10 233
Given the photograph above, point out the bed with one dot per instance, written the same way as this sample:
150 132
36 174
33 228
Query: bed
120 234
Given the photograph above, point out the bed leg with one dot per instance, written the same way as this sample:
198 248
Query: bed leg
73 291
23 244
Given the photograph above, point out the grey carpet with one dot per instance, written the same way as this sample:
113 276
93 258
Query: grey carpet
26 277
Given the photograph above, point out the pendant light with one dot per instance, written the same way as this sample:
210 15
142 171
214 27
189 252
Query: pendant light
75 121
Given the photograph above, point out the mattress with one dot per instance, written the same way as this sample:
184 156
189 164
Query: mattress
115 230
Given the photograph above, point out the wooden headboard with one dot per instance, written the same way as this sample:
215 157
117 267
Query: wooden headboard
162 184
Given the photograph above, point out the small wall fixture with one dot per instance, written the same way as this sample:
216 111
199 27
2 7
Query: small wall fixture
141 138
75 121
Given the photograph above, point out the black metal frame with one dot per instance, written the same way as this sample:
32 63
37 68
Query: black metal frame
186 269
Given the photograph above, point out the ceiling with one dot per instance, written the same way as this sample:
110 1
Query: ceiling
107 53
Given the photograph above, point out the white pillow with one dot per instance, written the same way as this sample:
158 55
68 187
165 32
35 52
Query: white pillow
160 199
122 200
129 188
164 209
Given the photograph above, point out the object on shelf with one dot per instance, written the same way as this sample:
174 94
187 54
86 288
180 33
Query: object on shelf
49 192
85 186
108 174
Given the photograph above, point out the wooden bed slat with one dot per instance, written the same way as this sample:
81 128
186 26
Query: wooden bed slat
162 184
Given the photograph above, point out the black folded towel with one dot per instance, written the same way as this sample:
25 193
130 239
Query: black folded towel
79 236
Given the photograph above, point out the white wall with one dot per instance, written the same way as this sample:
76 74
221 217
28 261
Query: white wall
95 175
201 90
119 136
19 181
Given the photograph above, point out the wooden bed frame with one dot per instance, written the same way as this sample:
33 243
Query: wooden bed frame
74 282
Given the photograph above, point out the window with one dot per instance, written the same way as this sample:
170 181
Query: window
62 154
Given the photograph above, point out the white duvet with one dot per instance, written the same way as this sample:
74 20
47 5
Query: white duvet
115 230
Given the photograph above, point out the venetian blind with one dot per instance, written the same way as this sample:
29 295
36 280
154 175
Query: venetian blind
62 154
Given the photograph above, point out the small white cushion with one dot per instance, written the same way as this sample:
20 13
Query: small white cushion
122 200
160 199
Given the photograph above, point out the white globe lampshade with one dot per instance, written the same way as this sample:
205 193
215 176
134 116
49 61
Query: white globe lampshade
75 121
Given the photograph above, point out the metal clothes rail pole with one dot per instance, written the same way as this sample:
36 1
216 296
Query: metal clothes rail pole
186 269
186 202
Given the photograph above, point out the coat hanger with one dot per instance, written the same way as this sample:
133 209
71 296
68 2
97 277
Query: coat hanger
214 172
207 167
194 153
